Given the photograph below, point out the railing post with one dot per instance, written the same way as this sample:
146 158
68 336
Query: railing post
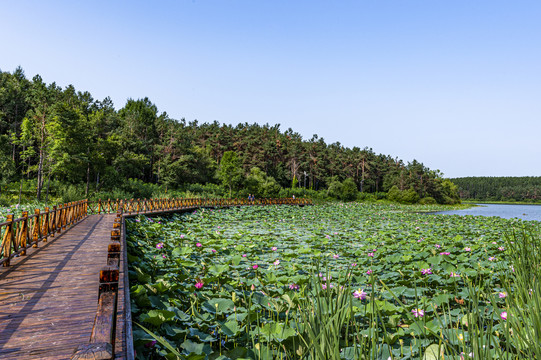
59 217
69 215
7 241
23 233
52 222
36 232
45 224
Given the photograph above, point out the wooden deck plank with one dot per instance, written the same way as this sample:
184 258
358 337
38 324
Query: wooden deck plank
48 298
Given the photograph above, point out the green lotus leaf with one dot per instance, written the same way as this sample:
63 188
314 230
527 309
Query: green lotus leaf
218 305
434 352
157 317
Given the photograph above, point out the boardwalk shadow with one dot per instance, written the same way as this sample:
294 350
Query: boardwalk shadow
11 322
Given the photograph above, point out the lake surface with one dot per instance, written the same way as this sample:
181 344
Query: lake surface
524 212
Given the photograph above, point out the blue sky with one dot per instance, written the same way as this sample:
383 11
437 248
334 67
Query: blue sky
453 84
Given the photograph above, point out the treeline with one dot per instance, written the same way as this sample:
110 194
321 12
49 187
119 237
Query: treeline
525 188
58 138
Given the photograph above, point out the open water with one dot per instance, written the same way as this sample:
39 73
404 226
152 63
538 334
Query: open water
524 212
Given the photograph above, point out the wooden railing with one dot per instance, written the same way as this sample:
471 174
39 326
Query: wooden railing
27 231
130 206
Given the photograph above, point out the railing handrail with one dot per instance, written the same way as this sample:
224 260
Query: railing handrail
138 206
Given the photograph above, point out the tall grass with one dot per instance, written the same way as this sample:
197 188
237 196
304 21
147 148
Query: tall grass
502 323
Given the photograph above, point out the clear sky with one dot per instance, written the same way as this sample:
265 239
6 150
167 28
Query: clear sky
454 84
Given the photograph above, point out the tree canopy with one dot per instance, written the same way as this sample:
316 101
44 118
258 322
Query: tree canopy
50 133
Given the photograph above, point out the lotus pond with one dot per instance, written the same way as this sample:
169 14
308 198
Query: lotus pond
264 282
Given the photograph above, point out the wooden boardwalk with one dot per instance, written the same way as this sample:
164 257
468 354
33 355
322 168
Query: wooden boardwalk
48 298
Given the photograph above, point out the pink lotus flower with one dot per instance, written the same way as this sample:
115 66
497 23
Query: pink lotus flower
244 255
198 245
276 263
445 253
336 256
491 258
426 271
454 275
199 284
294 286
503 315
467 249
255 266
213 251
163 256
360 294
354 264
418 312
274 248
182 236
369 272
501 248
502 295
371 254
159 245
150 344
437 246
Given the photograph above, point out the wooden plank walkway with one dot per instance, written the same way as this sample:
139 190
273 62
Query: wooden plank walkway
48 298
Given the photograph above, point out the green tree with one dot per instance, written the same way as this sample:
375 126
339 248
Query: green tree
349 190
37 129
261 185
335 188
138 137
230 172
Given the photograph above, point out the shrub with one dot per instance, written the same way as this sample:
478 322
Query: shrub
335 189
349 190
427 201
409 196
380 195
261 184
368 197
394 194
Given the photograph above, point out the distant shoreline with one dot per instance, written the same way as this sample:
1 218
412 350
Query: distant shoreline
473 202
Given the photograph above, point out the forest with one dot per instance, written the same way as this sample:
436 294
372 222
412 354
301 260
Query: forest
62 143
507 189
